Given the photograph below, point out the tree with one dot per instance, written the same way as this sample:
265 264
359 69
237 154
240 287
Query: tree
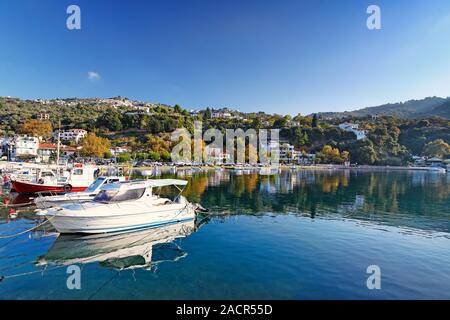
437 148
154 155
36 128
111 120
93 146
281 122
123 157
362 152
329 155
256 123
177 109
207 114
165 155
314 122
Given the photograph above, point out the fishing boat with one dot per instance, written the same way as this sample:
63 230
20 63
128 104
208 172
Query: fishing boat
43 202
74 179
121 250
123 206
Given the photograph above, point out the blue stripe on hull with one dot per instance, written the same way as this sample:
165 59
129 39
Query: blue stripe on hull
129 228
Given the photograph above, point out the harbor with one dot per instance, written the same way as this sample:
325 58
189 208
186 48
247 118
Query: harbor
306 228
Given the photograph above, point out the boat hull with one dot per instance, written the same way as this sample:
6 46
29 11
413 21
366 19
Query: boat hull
65 223
28 187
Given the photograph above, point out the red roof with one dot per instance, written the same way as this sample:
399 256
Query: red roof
52 146
47 146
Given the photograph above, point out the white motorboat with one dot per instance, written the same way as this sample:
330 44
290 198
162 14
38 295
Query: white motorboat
43 202
437 169
122 206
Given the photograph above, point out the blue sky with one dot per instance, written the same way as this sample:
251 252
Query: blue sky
275 56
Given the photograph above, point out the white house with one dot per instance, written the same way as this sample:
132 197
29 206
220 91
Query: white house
221 115
118 150
71 135
216 155
25 146
353 127
287 152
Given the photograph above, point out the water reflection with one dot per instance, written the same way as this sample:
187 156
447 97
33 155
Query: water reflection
411 199
130 250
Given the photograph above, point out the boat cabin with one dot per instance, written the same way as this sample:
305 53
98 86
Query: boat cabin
141 190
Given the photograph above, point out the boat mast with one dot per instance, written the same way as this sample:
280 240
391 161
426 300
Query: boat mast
58 146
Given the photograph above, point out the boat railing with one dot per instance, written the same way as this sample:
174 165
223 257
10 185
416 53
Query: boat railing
42 196
75 201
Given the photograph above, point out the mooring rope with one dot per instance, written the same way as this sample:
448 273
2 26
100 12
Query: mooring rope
26 231
60 266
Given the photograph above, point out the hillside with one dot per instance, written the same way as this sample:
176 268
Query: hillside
412 109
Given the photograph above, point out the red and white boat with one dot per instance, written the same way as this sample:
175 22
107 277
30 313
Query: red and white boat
74 179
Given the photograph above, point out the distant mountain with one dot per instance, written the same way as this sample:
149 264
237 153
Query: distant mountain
442 110
428 107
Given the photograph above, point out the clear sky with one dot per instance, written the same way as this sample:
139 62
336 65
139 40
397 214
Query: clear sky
276 56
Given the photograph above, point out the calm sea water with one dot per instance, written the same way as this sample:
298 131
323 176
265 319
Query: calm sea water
296 235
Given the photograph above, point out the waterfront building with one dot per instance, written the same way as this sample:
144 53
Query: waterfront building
434 162
23 146
306 159
287 152
46 150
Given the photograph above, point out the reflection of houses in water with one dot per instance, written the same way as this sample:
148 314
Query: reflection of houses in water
218 178
267 185
359 200
308 177
282 183
418 178
126 250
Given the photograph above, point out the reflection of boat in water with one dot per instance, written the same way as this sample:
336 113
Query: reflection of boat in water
21 200
125 250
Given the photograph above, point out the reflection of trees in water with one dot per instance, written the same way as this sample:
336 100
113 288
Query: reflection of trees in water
367 195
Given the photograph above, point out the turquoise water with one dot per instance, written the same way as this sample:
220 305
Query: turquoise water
297 235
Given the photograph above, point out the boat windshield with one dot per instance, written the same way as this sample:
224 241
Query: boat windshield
116 195
95 185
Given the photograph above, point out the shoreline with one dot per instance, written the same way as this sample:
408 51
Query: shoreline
166 167
296 167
